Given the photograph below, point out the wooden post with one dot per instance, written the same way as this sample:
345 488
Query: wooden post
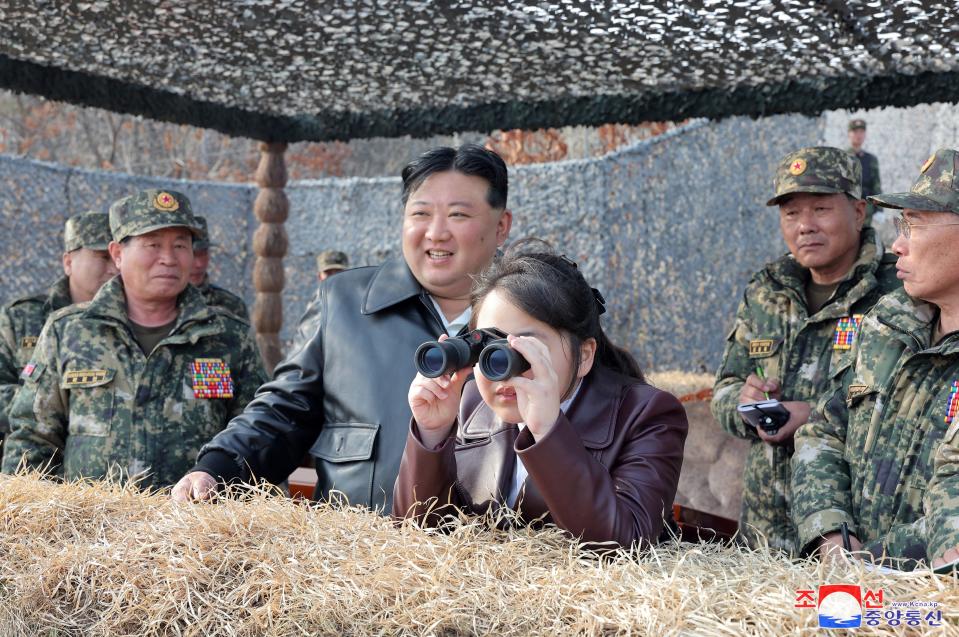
269 245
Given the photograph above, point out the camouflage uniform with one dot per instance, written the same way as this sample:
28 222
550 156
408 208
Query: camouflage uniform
871 183
866 455
22 319
332 260
93 404
214 294
221 297
20 325
774 331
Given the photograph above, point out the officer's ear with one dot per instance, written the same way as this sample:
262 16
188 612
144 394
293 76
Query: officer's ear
859 206
67 260
115 250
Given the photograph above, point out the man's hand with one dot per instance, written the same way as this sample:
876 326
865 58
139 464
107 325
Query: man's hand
195 486
754 388
951 555
798 415
831 547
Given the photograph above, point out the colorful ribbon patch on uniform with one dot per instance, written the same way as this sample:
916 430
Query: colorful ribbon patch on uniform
28 370
28 341
952 405
84 377
211 379
846 330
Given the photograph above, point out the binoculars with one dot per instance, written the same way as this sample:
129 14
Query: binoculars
487 347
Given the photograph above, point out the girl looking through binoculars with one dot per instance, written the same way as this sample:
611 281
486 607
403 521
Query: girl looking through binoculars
577 439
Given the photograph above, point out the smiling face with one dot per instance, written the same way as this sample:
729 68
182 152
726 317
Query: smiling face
450 232
929 260
822 232
498 311
155 266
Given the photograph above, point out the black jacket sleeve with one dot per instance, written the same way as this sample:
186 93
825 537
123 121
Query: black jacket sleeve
269 439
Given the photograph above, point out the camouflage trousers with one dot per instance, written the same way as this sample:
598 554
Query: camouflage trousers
766 518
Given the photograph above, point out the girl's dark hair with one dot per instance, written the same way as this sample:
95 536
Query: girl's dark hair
550 288
468 159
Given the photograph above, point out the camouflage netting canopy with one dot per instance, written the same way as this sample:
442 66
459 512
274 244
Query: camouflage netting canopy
295 70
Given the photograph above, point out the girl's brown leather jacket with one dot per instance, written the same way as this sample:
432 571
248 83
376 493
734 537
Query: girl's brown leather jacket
606 472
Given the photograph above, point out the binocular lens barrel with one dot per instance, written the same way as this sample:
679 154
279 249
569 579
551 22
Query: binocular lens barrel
436 358
499 361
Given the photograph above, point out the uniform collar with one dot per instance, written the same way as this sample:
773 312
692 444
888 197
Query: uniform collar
58 295
912 320
110 302
788 273
392 283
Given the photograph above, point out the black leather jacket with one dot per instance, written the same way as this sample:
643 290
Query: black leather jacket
341 395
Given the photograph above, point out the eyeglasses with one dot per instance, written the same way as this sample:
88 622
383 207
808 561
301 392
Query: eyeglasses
904 228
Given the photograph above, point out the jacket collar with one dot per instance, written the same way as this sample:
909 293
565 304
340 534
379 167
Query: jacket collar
58 295
856 284
912 321
392 283
592 414
110 303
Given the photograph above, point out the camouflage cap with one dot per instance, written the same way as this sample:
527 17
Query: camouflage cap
150 210
90 230
856 124
819 169
331 260
936 189
202 241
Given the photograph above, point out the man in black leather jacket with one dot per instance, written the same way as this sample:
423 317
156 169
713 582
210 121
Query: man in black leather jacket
341 393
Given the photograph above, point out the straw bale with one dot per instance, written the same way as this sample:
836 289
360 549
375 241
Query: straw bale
101 559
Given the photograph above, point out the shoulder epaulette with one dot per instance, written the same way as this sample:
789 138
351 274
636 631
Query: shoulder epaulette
219 310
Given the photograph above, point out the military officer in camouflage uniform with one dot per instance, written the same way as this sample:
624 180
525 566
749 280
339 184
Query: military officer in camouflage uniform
86 266
330 262
212 294
796 317
871 184
134 382
866 456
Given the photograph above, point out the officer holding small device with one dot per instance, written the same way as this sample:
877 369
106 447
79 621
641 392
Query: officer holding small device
797 319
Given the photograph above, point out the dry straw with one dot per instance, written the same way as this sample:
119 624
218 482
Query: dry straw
100 559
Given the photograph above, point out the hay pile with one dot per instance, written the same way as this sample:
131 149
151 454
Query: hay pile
95 559
687 386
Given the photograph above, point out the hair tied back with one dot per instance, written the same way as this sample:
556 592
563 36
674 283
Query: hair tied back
600 301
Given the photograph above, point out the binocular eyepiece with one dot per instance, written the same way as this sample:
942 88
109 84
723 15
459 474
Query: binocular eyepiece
487 347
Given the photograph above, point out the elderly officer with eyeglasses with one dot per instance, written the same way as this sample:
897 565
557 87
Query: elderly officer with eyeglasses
864 461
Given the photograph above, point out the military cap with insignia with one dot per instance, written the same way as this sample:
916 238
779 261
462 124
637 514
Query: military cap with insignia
90 230
936 189
202 241
332 260
818 170
150 210
857 124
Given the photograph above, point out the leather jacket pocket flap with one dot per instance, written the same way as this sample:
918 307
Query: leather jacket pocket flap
345 442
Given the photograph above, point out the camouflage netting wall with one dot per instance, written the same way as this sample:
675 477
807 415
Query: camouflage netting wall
669 229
